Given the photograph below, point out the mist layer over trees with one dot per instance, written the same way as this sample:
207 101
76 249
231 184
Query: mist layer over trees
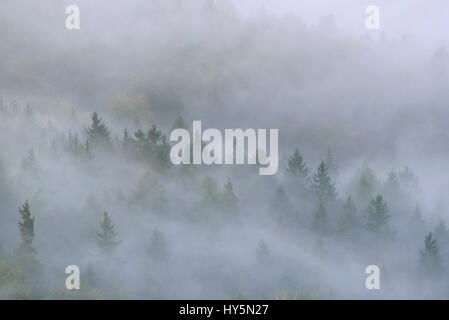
86 178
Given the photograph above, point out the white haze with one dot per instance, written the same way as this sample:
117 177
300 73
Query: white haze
376 99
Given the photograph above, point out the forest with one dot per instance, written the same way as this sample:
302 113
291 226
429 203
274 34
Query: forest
86 177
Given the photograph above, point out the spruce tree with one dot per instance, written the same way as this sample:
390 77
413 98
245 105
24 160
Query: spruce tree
179 123
106 238
430 256
98 133
26 227
377 217
297 166
321 184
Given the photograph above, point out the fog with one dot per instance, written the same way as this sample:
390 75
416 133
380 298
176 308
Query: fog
366 110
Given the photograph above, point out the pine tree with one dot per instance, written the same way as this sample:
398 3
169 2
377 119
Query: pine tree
179 123
98 133
158 247
106 238
320 222
322 185
377 217
430 256
297 166
26 227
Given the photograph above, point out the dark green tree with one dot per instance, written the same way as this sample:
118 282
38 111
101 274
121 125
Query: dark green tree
297 166
430 256
26 227
321 183
106 238
377 216
98 133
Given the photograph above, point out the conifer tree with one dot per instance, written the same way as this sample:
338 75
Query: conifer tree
297 166
430 256
98 133
106 238
321 184
377 217
179 123
26 227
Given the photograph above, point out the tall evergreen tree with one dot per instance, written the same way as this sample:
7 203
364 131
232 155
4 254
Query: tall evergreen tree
26 227
106 238
321 183
377 217
430 256
297 166
98 133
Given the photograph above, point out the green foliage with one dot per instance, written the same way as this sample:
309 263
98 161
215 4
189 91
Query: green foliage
152 147
106 238
297 167
76 148
321 183
377 216
98 133
430 256
133 109
26 227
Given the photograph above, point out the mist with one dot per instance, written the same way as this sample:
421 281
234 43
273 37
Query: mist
85 121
